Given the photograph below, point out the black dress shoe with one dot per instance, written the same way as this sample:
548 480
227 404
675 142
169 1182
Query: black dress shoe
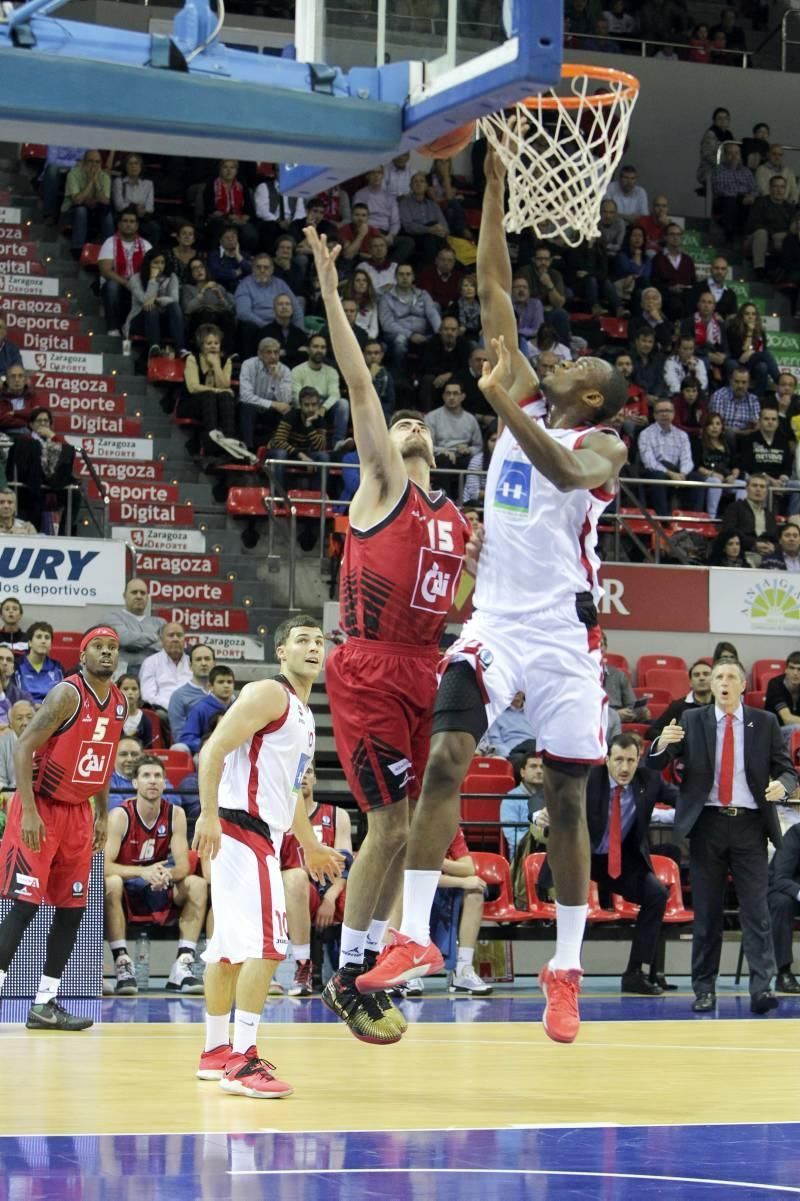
762 1002
787 982
663 983
704 1003
637 983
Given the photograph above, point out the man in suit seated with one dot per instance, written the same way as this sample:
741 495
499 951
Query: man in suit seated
784 906
620 798
735 770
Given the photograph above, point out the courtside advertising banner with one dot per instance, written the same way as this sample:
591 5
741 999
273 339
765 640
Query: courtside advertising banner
63 571
754 602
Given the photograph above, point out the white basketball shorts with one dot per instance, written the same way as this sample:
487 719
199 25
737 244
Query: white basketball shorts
248 899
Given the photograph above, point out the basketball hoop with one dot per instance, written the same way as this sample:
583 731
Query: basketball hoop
561 149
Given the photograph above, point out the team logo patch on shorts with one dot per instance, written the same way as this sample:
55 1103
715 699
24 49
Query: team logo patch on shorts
513 491
77 888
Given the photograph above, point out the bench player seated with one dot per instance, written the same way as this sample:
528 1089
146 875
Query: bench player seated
148 877
309 900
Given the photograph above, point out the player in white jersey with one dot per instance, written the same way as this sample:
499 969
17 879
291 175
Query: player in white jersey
534 631
250 774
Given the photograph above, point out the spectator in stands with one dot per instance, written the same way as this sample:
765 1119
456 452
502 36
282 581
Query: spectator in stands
734 34
648 365
226 201
20 717
423 221
359 288
619 690
37 673
768 224
301 436
735 190
784 907
783 696
510 733
382 381
381 270
788 403
547 284
10 355
120 258
265 393
184 252
708 331
620 22
586 274
655 226
51 182
686 362
255 300
666 454
307 900
725 652
350 309
129 749
737 405
87 201
699 694
766 451
11 631
201 661
227 264
139 632
579 18
323 213
459 872
444 356
612 227
441 279
467 310
673 273
204 301
289 267
357 235
725 300
397 176
715 461
10 524
315 373
775 166
129 190
383 212
275 212
138 724
148 875
652 318
726 551
718 132
600 42
10 689
161 673
292 337
751 519
408 316
45 463
217 701
629 196
635 414
631 266
620 799
457 442
747 347
528 310
207 380
474 400
155 310
522 802
787 554
17 399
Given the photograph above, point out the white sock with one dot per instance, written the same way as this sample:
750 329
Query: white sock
464 961
570 925
2 977
48 987
419 889
245 1030
185 945
217 1031
301 950
352 946
119 944
375 935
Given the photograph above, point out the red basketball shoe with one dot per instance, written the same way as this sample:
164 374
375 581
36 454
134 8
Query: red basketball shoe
561 1018
212 1063
400 960
249 1076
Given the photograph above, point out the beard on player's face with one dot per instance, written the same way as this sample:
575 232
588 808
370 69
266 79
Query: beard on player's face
417 446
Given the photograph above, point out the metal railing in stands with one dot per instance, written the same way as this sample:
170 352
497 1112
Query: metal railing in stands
71 490
786 41
641 47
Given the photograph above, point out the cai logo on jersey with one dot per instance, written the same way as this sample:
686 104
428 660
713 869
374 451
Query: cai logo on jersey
91 766
437 576
513 491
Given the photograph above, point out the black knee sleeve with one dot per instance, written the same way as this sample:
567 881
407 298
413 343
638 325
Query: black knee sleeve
12 930
61 940
459 704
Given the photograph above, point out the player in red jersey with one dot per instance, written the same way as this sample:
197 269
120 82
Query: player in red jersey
309 900
64 758
402 560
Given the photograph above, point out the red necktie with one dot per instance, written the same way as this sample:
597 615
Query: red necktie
726 763
615 835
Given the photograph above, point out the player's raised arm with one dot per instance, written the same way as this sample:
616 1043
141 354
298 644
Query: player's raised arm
58 707
259 704
595 463
375 450
494 281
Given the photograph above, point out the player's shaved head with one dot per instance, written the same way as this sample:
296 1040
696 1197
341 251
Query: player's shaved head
589 385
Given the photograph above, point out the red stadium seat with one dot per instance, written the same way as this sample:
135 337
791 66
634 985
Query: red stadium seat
489 767
669 874
177 764
657 708
615 660
597 915
308 504
247 502
90 254
628 912
755 697
763 671
161 369
32 150
646 662
615 328
635 727
482 809
496 870
654 696
794 747
544 910
670 679
695 523
66 648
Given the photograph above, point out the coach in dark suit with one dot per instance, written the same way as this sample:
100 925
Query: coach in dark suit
620 798
735 768
784 906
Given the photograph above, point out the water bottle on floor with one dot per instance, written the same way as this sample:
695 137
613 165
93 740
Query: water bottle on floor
143 961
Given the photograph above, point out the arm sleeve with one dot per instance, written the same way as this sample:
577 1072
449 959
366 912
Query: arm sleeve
386 318
176 712
687 463
513 809
646 453
475 439
244 302
147 683
432 314
247 393
194 727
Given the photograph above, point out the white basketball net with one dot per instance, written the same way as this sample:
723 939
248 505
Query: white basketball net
560 159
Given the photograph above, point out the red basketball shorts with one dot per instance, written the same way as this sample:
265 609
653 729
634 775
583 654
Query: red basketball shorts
58 873
381 696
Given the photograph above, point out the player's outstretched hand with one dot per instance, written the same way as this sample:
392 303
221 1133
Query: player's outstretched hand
32 828
207 836
323 864
472 551
324 261
670 734
500 374
100 831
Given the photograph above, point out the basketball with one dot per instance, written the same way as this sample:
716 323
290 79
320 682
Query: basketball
449 144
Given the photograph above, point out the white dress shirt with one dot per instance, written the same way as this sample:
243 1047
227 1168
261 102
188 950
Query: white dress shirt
160 676
742 796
